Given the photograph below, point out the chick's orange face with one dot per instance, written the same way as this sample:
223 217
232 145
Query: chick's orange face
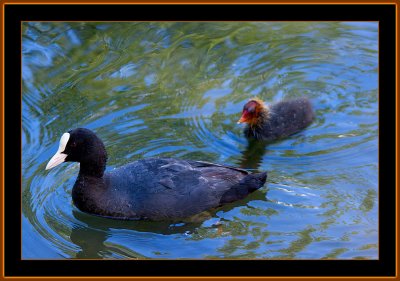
250 112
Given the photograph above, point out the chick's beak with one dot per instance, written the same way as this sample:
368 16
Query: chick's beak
241 120
244 118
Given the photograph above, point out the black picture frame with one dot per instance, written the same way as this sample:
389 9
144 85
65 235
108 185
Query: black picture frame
14 14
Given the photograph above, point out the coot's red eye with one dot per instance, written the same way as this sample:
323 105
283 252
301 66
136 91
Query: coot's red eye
73 144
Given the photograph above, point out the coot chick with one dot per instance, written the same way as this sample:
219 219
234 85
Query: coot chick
276 121
153 188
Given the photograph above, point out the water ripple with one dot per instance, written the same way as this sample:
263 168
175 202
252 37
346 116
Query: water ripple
176 90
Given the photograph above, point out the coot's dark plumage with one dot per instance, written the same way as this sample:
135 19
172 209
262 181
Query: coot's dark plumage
276 121
153 188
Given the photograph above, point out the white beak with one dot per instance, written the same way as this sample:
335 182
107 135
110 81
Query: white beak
56 160
59 157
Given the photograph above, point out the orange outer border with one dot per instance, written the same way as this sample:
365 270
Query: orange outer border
154 2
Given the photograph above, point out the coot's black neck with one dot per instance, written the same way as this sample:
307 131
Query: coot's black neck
94 162
92 169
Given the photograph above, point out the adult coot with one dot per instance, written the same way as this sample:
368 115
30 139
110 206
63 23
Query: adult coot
153 188
276 121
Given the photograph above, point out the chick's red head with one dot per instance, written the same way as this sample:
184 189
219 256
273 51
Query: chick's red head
251 111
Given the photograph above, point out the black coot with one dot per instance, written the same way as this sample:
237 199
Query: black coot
276 121
153 188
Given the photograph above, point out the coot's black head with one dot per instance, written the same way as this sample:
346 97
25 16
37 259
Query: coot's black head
79 145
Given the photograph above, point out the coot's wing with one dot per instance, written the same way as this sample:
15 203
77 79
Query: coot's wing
198 186
200 164
161 188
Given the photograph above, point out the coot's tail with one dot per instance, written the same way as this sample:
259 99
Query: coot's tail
254 181
247 185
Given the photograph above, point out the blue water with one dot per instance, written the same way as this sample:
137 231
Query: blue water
177 89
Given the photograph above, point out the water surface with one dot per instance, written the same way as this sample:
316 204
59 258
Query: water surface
176 90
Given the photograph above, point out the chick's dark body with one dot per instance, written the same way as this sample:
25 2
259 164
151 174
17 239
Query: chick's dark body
283 119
